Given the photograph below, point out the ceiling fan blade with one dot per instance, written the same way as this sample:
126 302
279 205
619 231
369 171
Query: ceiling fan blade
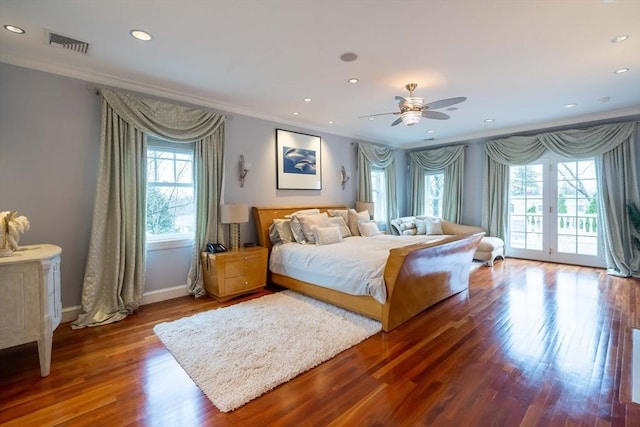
444 103
400 100
397 121
437 115
379 114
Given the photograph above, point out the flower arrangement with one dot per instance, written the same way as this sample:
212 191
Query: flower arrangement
11 225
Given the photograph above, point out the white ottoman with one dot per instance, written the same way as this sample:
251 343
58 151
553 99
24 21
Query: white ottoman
489 249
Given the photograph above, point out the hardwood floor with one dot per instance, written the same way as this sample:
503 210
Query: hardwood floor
530 344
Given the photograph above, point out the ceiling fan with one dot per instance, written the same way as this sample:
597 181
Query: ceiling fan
412 108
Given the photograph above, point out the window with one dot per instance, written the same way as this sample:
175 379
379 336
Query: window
379 194
433 185
170 192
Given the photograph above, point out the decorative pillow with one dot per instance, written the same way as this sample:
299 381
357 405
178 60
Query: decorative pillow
342 225
410 232
368 228
434 226
421 226
308 221
273 235
326 235
296 228
283 228
354 217
407 226
344 213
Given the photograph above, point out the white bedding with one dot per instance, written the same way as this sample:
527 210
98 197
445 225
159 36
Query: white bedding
354 266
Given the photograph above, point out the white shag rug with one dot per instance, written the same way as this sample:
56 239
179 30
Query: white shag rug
237 353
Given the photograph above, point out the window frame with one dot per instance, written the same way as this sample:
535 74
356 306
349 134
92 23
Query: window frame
170 240
427 175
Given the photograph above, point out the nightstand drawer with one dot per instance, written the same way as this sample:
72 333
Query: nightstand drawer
239 284
242 266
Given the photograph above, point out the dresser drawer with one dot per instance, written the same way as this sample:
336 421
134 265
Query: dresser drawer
240 284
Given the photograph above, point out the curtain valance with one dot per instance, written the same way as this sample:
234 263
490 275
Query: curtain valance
436 159
573 143
172 121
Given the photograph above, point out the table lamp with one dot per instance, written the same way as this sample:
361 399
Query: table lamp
234 214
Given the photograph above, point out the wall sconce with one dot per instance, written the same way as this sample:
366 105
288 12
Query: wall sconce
344 177
244 168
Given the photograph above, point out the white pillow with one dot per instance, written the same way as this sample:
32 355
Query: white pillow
410 232
421 226
342 225
354 217
296 228
434 226
326 235
368 228
343 213
308 221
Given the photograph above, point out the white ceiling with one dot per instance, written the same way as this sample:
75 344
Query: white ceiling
518 62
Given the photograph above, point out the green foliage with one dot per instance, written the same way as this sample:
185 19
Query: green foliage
532 209
160 219
593 205
634 216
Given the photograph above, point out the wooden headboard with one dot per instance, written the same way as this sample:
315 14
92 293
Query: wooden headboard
264 216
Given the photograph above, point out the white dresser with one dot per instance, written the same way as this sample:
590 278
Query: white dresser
30 303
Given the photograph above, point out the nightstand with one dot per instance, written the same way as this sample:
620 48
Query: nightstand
233 273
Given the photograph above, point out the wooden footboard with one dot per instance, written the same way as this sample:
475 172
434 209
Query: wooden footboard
416 276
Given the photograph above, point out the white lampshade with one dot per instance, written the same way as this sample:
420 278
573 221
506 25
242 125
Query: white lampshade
234 213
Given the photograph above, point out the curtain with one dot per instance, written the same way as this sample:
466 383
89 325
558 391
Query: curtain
611 145
114 276
209 172
447 159
381 157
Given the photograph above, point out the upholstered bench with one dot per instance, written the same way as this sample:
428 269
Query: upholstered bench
489 249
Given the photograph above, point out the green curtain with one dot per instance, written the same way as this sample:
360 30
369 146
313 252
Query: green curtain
381 157
450 160
613 147
114 275
209 172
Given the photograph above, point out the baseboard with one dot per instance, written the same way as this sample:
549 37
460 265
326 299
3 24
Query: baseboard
69 314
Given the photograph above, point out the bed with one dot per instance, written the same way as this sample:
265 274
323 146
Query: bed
416 276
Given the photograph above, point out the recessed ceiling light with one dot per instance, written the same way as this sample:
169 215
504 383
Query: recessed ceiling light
431 131
621 70
307 100
372 119
295 113
353 81
570 105
489 120
14 29
331 122
620 38
141 35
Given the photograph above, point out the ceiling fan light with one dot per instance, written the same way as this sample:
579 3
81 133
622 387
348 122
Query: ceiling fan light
410 118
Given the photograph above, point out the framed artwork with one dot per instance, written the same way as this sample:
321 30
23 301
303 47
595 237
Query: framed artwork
299 163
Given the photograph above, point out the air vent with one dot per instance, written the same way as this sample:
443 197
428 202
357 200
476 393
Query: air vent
68 43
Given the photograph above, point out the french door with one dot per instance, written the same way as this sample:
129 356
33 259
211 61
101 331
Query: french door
553 212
